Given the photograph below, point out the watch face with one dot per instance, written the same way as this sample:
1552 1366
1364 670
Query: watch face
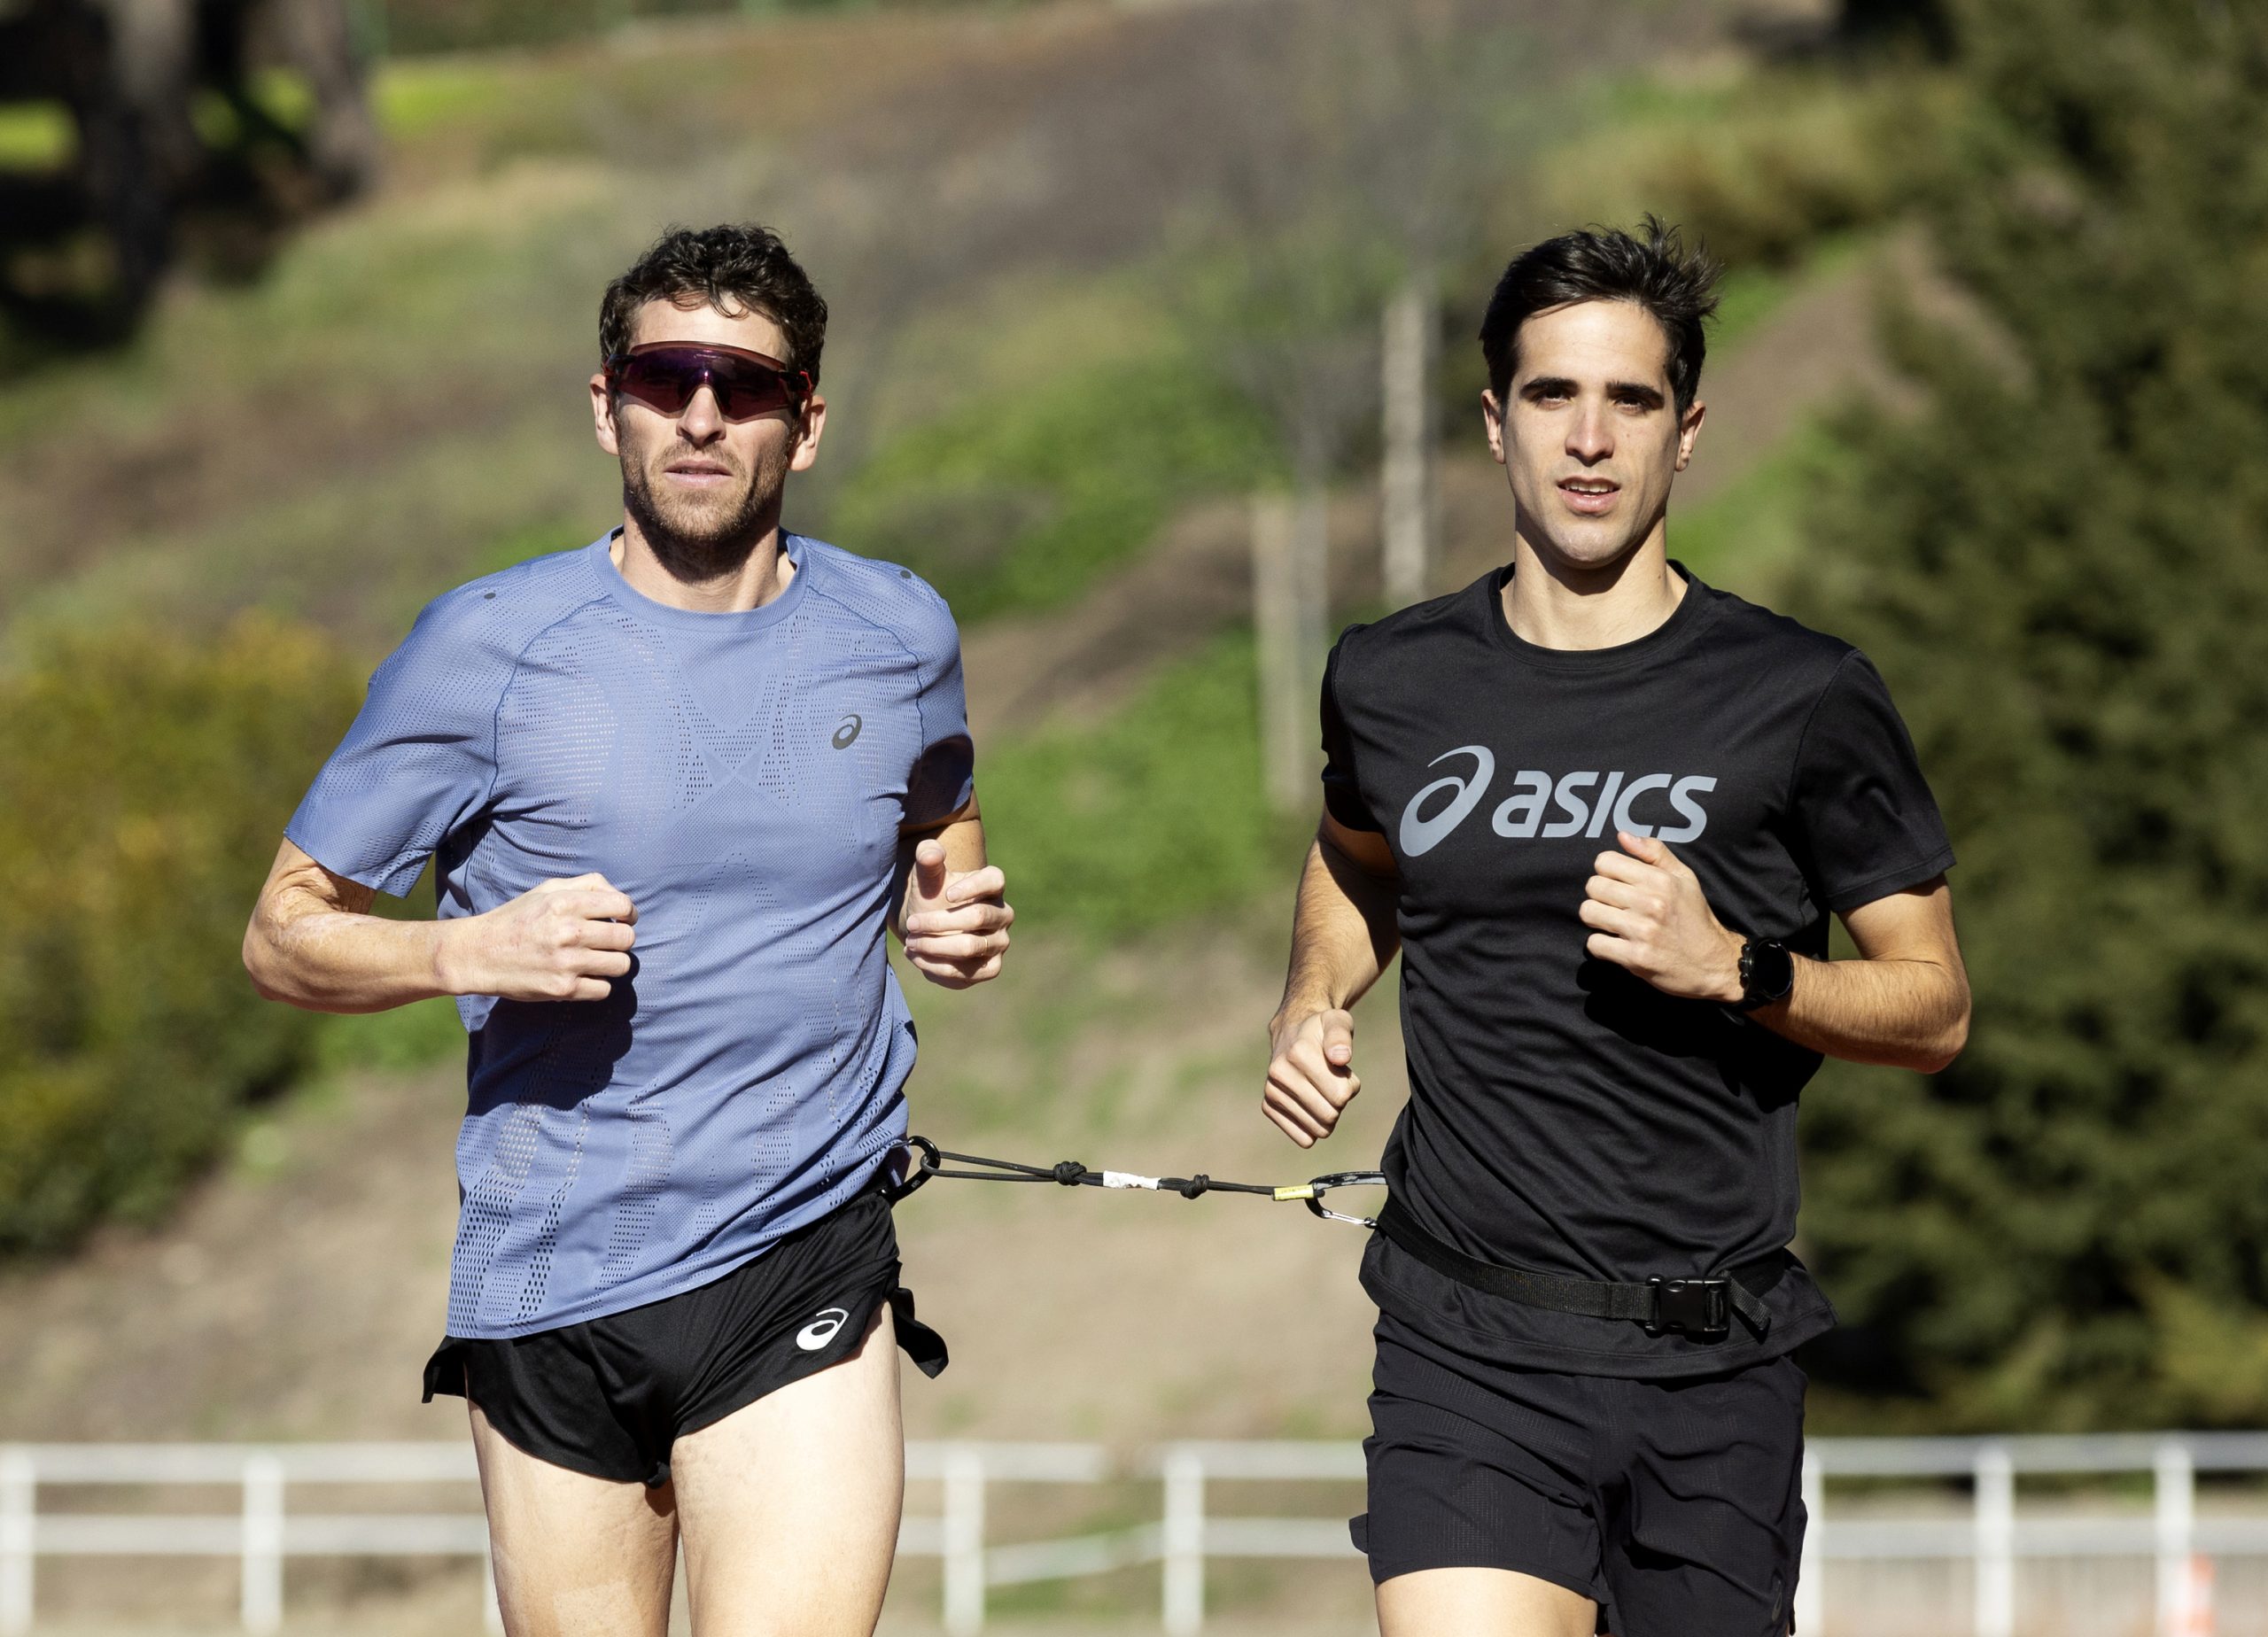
1771 974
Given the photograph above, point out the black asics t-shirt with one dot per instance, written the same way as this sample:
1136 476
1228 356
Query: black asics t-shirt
1565 1116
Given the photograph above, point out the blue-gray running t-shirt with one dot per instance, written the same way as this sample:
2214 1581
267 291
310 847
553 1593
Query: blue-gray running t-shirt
742 777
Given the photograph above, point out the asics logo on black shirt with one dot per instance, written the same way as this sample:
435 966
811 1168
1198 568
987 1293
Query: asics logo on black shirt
1580 803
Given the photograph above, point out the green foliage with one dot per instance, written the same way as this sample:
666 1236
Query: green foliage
1015 502
2063 567
413 25
148 782
1900 23
1764 167
38 137
407 1037
417 25
1151 816
535 539
1753 292
1747 533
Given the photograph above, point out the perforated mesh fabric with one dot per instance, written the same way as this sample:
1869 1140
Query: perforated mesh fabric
742 777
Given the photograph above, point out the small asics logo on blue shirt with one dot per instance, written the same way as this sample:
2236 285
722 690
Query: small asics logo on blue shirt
847 734
1585 803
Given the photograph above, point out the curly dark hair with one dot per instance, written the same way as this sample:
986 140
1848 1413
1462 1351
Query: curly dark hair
737 264
1654 269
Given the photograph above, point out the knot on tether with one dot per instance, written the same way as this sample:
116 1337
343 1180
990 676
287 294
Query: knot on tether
1195 1185
1069 1172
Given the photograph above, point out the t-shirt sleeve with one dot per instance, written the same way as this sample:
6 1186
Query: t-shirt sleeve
1867 820
1342 796
943 775
419 761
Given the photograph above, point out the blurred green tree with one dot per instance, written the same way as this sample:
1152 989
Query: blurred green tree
2061 563
148 781
1923 22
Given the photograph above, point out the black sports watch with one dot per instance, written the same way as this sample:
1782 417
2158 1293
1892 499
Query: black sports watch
1768 972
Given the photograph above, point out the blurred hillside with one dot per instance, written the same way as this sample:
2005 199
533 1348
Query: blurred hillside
1061 254
1000 210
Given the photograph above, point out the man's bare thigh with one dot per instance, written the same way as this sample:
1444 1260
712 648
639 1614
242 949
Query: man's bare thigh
790 1506
575 1556
1481 1602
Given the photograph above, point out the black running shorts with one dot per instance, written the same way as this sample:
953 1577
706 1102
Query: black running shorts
1676 1504
610 1396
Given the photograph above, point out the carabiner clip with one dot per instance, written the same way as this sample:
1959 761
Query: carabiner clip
922 1161
1313 1190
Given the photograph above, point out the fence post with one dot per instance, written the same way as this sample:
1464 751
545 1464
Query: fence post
964 1530
19 1491
263 1543
2176 1496
1185 1542
1996 1542
1811 1587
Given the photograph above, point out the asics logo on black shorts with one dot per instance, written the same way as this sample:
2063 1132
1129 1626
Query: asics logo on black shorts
1581 803
821 1329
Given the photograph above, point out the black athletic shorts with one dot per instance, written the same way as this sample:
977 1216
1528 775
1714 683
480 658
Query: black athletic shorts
1676 1504
610 1396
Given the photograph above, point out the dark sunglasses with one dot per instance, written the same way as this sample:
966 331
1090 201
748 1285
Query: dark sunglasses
664 375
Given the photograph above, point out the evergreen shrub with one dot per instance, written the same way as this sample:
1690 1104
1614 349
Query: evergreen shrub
2062 565
147 778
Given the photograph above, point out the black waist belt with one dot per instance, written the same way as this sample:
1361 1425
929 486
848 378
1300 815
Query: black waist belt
1693 1306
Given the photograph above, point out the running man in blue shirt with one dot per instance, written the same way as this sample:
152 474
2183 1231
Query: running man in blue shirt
675 784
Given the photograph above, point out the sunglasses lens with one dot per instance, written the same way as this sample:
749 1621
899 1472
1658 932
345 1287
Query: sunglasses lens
666 381
661 381
745 390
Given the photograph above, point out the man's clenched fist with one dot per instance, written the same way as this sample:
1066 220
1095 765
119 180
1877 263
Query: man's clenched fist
956 923
1309 1075
1651 918
560 939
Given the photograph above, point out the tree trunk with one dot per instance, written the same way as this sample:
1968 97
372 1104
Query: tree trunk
1412 326
1290 586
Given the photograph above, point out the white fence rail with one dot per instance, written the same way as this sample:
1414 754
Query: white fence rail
1993 1537
263 1530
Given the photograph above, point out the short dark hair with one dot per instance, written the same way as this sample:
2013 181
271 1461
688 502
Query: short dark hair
1653 269
735 264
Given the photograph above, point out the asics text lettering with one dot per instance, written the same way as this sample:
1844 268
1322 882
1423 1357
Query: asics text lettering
1591 803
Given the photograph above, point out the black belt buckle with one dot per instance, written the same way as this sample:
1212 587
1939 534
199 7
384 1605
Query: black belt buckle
1691 1306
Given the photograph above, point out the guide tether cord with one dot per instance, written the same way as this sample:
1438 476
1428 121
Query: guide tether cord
1072 1173
1693 1306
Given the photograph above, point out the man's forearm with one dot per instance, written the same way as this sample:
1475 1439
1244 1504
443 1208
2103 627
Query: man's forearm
336 960
1909 1013
1343 933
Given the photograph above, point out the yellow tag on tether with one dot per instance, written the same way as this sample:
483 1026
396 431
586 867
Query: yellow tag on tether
1296 1191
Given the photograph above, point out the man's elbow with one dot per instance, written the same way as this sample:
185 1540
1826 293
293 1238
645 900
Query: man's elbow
1951 1041
264 962
255 959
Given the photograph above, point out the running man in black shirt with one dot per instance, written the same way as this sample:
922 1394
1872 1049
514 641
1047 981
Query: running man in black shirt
1604 811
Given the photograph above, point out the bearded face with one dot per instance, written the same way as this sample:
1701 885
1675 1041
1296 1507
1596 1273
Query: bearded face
703 503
